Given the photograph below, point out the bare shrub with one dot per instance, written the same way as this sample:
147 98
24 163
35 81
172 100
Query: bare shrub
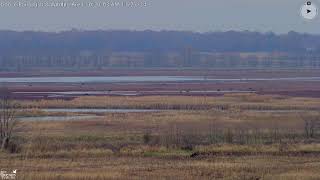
146 137
229 136
8 109
310 126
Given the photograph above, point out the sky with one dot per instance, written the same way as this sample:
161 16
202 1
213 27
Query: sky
279 16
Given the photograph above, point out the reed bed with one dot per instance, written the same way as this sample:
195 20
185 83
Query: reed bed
238 136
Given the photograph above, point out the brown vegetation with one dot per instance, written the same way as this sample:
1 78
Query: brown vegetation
238 136
230 101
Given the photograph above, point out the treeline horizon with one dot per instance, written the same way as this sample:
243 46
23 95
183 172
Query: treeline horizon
75 42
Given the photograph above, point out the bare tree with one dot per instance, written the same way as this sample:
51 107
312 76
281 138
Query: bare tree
310 126
8 121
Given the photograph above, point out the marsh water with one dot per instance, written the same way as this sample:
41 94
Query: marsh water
137 79
95 110
56 118
88 113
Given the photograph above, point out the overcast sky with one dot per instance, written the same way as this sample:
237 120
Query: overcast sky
279 16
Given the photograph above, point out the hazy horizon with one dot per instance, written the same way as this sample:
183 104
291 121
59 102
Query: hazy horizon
196 16
160 30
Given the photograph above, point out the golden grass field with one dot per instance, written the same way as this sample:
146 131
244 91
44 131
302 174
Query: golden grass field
237 136
252 101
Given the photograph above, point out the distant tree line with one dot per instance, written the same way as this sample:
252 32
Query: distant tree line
101 49
184 59
100 42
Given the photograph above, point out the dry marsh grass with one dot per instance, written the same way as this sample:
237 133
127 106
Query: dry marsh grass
238 101
137 167
234 137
